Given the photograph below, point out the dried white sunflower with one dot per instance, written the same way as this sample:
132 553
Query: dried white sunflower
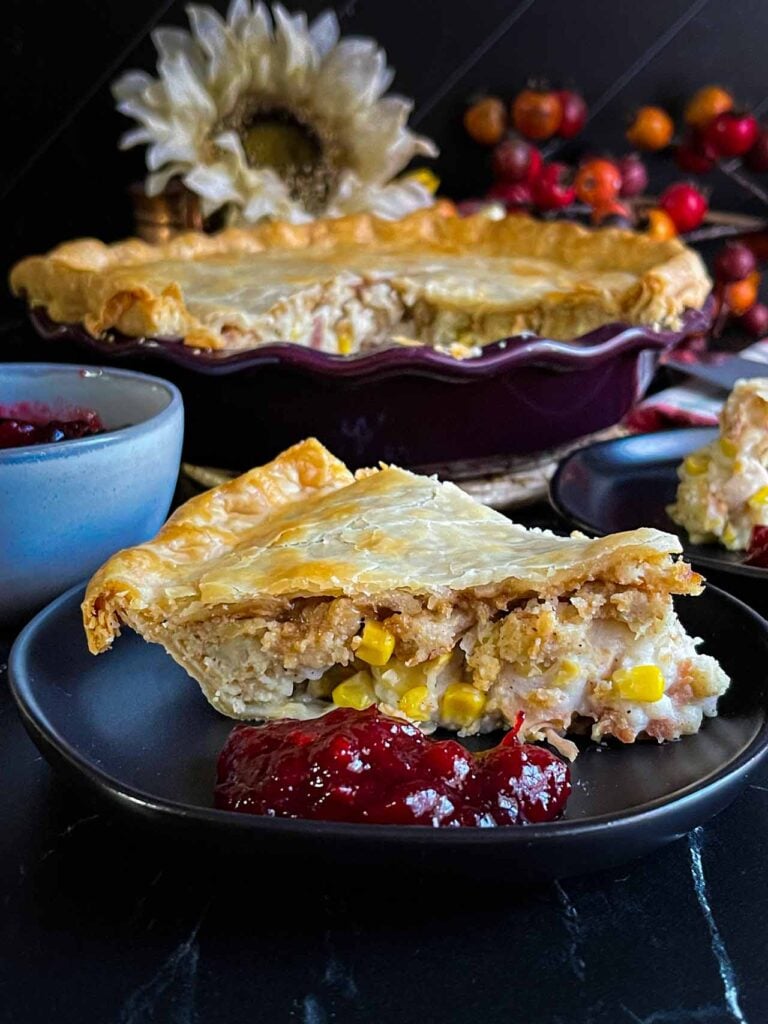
267 116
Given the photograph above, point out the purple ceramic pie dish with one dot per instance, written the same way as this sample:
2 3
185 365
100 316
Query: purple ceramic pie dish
411 406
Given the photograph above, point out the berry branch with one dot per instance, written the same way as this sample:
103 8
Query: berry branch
524 133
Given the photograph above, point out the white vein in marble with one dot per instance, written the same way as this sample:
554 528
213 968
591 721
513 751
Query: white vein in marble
725 967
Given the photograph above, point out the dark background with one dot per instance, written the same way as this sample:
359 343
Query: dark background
62 175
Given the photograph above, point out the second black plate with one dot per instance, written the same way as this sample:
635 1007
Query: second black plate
628 482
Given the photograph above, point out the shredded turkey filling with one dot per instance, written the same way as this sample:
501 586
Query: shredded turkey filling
556 658
348 314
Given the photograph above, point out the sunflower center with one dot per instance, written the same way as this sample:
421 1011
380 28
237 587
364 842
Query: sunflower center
280 140
288 148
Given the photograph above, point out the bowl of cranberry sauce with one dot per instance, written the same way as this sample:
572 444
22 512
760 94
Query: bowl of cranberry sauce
366 767
89 459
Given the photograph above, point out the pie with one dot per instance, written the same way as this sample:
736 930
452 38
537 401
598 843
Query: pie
356 283
298 587
723 489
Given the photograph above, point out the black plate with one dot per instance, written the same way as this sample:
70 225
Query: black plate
628 482
134 727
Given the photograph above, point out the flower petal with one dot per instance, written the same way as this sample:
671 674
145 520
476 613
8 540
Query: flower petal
238 13
185 90
353 75
324 33
214 184
173 149
132 83
170 42
294 60
155 183
390 202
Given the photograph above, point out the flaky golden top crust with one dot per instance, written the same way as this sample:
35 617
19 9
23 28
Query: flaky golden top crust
303 526
475 264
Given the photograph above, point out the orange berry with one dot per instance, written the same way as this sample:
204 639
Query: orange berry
537 113
660 225
705 104
652 128
614 213
598 182
742 295
486 120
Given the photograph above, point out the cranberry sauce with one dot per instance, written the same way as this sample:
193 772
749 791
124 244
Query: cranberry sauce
25 424
363 766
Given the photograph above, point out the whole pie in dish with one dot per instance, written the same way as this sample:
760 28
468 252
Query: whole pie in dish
723 489
358 283
298 587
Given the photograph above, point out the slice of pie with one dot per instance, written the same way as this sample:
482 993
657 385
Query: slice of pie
357 283
299 587
723 489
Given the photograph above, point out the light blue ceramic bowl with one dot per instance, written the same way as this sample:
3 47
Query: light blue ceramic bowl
66 507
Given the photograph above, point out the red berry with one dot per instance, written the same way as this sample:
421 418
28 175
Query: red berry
734 262
695 155
552 190
732 134
516 160
634 176
684 204
574 113
755 320
757 158
513 193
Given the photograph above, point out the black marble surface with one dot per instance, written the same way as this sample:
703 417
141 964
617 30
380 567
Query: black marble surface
103 922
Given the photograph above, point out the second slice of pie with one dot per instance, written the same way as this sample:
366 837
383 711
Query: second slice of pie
298 587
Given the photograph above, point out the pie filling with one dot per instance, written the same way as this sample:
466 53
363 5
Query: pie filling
610 659
723 490
351 315
355 284
355 317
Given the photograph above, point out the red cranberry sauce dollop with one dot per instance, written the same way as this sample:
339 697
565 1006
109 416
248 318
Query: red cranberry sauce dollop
16 431
363 766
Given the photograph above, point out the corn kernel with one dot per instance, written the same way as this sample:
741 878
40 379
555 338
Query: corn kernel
643 682
759 499
426 178
461 704
567 672
355 692
415 703
376 644
729 535
696 465
728 448
344 342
